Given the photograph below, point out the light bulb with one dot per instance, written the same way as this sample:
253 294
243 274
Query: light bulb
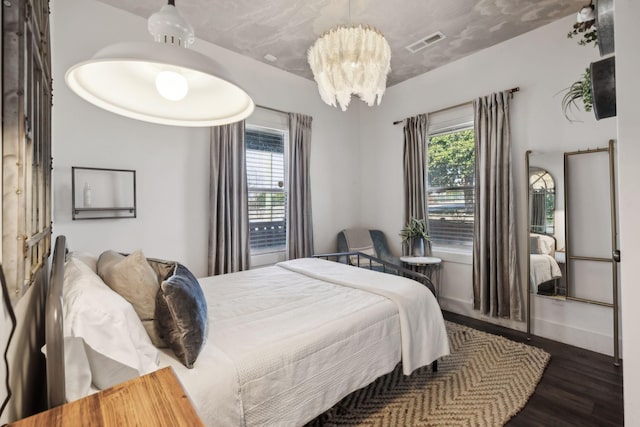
171 85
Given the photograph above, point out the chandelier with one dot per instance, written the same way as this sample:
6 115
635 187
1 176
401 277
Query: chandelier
161 81
350 60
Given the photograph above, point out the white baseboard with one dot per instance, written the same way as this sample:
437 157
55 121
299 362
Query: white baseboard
567 334
583 338
465 307
458 306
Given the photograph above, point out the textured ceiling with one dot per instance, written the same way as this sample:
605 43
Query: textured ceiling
287 28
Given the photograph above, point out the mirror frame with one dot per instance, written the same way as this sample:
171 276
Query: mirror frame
528 224
615 257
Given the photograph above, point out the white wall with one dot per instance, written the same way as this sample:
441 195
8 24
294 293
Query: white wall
542 63
627 34
172 163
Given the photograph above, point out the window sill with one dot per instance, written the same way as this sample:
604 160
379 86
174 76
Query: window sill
270 250
455 255
265 258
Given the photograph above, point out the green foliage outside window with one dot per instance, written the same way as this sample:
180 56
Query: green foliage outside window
452 159
267 206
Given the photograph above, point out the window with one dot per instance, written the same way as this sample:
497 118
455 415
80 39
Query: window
451 181
267 195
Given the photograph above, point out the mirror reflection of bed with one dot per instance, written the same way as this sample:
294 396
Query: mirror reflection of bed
546 225
545 272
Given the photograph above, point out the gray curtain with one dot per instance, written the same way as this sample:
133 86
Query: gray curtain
538 212
496 278
228 205
300 230
415 167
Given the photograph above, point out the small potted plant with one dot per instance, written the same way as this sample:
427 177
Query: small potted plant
416 238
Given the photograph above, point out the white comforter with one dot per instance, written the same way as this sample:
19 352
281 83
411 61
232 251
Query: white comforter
287 342
543 268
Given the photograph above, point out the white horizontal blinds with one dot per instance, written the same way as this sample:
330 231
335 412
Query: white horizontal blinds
451 120
267 197
451 176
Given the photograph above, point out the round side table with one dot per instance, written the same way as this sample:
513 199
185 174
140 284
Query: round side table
427 265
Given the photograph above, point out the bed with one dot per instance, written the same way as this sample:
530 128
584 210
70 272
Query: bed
287 342
544 269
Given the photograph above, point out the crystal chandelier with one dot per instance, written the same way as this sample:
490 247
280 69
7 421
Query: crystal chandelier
350 60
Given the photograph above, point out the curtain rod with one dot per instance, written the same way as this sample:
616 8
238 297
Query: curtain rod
272 109
511 91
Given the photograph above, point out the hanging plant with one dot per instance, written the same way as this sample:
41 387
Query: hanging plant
585 26
578 90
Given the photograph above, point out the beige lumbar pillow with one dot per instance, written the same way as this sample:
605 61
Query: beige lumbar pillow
133 278
106 260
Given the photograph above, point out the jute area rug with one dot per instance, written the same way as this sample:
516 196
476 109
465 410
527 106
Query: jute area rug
485 381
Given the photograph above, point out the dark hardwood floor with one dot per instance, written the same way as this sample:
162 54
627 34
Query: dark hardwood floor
578 388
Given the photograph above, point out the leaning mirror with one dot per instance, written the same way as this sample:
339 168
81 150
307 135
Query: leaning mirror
546 224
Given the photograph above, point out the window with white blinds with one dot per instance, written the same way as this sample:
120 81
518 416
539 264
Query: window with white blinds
265 157
451 178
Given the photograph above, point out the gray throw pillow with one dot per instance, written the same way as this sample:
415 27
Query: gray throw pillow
181 315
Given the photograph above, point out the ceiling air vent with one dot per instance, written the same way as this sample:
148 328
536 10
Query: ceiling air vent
425 42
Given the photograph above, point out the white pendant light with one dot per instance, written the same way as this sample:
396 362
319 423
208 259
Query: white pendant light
160 82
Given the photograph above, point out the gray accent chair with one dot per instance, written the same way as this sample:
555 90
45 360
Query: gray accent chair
379 244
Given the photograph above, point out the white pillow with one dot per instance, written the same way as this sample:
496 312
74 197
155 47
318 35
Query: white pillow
546 245
87 258
106 372
85 367
107 323
77 372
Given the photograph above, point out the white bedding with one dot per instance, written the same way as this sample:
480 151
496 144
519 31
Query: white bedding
285 345
543 268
